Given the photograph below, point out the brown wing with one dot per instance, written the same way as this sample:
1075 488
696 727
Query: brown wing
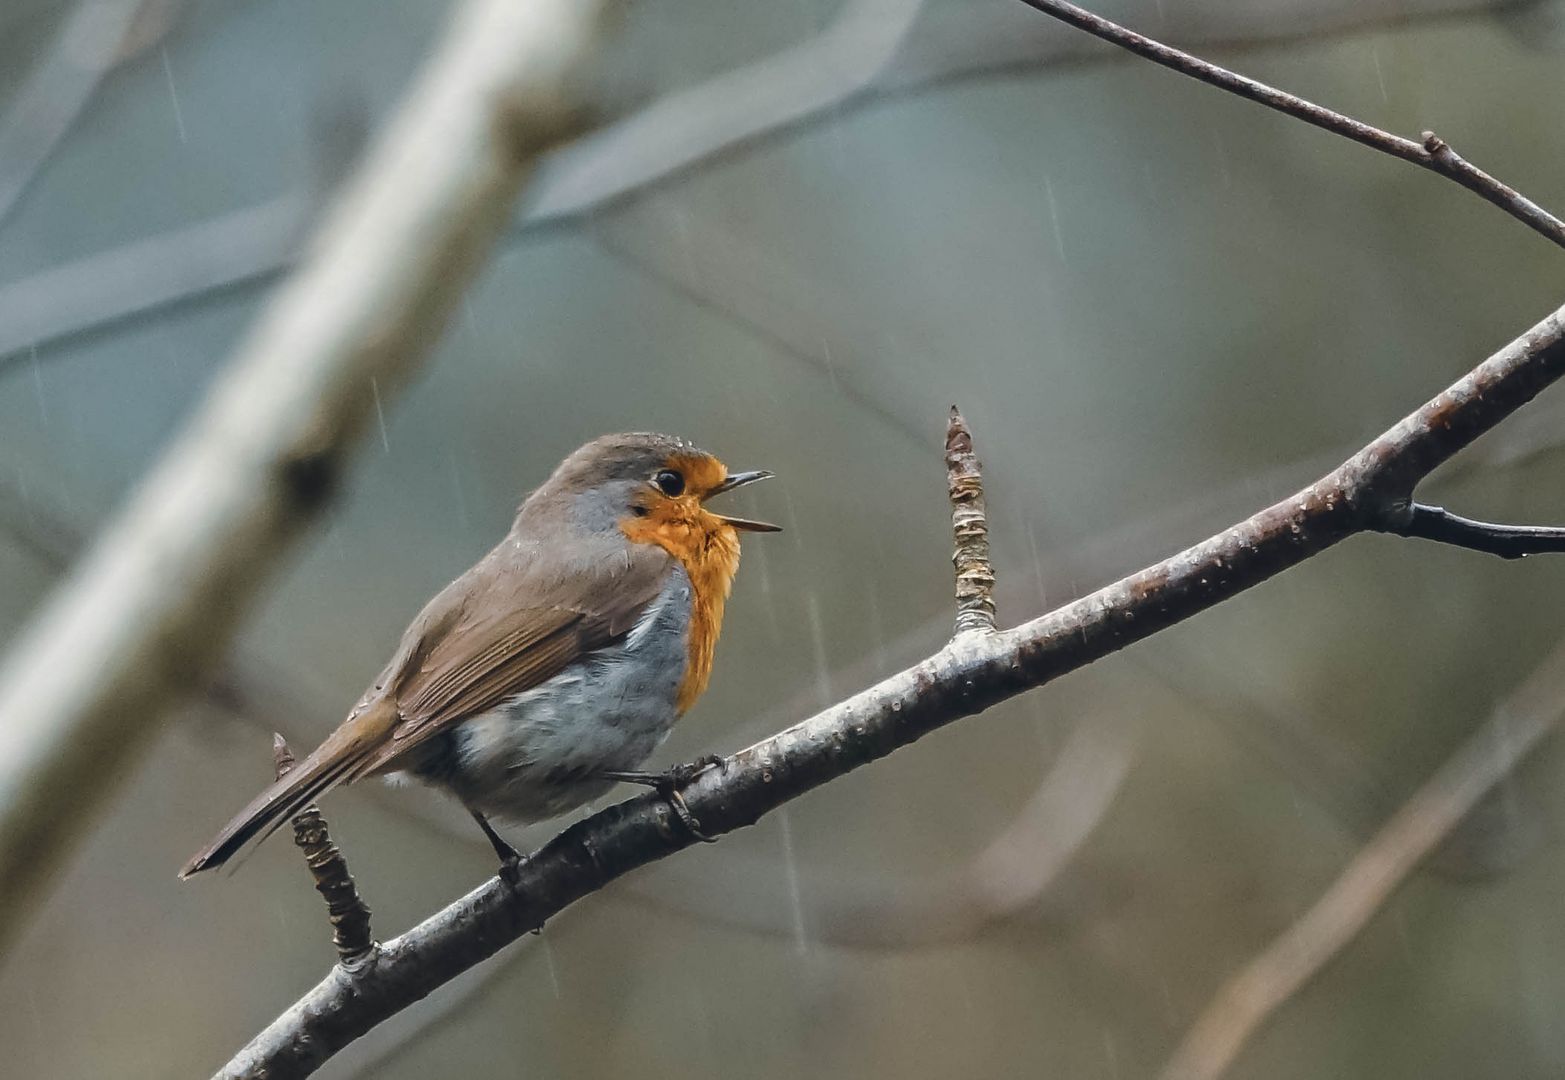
503 627
511 629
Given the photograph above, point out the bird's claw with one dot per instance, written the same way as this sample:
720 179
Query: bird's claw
511 869
670 783
681 775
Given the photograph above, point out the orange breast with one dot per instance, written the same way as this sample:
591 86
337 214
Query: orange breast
708 549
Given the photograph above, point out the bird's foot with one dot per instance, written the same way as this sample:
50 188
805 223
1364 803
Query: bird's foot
670 784
511 869
511 860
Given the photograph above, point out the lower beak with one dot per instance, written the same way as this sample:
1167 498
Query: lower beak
739 480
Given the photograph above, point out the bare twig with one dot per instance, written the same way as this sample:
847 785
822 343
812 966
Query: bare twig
972 672
1506 541
145 616
1246 999
1430 153
970 524
349 914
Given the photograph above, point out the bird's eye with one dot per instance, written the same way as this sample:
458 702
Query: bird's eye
669 482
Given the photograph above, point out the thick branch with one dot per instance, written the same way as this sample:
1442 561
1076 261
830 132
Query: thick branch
345 908
970 525
970 674
1506 541
1431 153
145 616
1244 1001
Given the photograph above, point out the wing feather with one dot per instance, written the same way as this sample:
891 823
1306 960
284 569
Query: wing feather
467 662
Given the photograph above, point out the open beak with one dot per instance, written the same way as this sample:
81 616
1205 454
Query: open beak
739 480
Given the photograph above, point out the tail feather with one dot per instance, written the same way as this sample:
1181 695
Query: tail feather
332 763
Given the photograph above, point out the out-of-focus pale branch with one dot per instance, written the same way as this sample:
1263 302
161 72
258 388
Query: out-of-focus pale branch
1245 1001
873 49
144 617
96 36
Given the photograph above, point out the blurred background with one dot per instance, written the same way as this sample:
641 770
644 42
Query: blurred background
1160 308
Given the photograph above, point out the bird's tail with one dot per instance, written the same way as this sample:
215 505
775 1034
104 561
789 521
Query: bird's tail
333 762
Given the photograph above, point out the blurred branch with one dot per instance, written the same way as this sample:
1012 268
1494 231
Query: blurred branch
1431 153
1247 999
345 908
871 52
1011 872
971 673
96 36
145 616
198 260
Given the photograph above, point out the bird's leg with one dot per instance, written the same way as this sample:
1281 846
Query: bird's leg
668 784
510 859
677 776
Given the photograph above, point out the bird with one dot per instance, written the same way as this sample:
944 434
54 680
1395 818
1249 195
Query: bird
557 663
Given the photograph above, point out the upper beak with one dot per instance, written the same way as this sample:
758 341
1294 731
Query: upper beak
739 480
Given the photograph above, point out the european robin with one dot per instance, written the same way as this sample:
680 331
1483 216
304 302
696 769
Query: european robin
559 662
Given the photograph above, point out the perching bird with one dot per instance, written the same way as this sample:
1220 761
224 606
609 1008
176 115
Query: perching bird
556 664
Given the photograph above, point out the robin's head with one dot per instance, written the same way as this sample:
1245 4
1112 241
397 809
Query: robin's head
653 488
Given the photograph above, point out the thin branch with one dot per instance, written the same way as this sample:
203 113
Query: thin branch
618 163
1431 153
144 618
1248 998
345 908
971 673
970 525
1506 541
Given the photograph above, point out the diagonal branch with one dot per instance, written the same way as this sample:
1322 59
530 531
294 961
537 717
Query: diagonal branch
972 672
58 89
1517 727
1432 152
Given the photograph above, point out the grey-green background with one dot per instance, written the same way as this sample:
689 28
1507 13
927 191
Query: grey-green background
1159 306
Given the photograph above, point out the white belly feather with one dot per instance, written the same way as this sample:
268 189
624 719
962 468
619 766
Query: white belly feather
537 755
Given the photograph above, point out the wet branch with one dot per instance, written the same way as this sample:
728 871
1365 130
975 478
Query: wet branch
1506 541
971 673
349 914
1431 152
